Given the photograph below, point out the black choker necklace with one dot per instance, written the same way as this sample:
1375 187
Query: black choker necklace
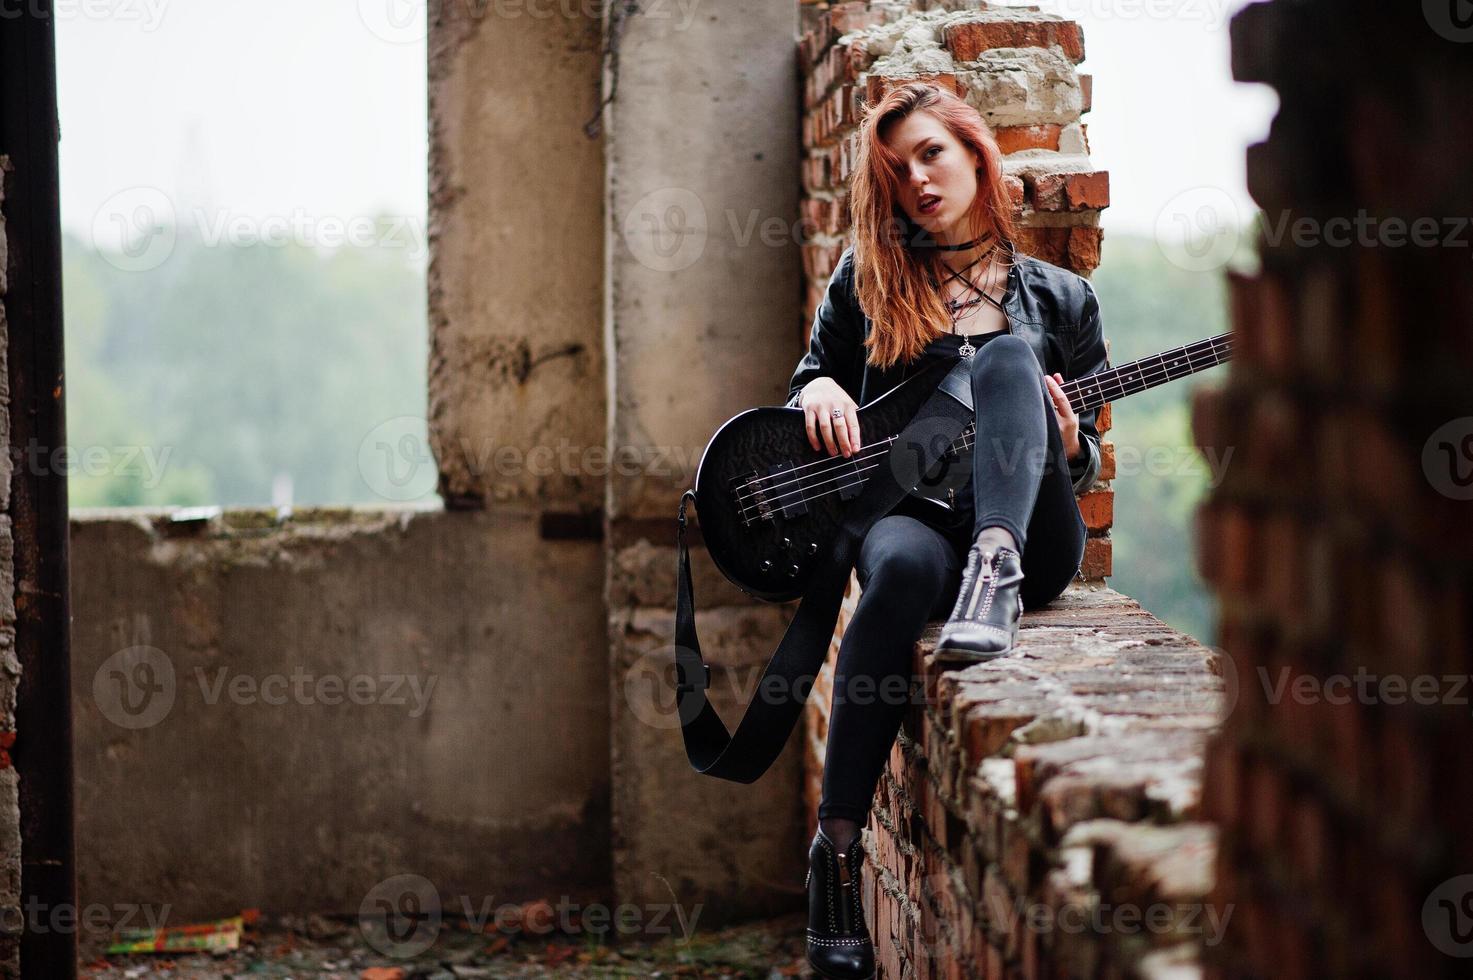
964 245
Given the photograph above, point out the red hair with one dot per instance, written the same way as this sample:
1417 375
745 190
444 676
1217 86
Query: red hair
895 261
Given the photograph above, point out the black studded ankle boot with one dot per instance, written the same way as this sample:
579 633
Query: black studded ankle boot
984 622
839 946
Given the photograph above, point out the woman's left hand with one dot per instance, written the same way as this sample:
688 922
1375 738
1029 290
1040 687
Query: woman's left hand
1068 421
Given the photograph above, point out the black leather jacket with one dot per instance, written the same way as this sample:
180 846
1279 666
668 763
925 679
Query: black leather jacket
1055 310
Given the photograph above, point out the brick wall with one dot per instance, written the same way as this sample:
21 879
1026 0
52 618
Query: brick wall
1032 804
851 53
1339 541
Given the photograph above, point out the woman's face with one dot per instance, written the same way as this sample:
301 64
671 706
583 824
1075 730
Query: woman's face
938 177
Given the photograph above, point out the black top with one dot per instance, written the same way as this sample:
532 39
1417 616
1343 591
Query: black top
946 347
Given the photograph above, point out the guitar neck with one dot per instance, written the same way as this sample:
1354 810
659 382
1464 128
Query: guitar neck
1094 390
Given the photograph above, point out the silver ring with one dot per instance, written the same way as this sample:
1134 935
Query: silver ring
837 413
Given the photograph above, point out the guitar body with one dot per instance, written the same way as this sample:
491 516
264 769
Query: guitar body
770 505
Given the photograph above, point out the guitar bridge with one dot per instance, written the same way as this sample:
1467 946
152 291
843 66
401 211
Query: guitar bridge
752 499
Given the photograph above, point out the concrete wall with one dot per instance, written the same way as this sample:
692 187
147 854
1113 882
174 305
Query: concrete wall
210 779
703 288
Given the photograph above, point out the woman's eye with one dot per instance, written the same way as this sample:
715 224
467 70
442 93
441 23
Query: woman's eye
930 151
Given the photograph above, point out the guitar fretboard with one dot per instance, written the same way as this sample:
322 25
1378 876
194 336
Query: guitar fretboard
1094 390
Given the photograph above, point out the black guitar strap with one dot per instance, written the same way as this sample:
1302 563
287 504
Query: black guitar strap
790 672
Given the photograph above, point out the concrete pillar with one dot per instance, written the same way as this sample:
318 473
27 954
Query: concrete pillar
703 286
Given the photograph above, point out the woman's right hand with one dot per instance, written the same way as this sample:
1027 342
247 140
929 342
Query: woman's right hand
818 400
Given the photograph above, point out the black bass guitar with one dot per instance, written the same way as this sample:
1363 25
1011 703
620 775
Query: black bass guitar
769 505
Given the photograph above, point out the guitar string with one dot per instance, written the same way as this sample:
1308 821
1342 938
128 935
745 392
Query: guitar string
882 447
1160 373
1077 386
1115 376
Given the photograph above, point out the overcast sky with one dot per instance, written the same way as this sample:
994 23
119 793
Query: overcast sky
316 108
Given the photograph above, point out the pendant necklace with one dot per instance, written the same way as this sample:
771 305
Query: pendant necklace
956 306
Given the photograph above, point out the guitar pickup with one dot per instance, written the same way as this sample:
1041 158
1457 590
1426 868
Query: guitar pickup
786 494
850 480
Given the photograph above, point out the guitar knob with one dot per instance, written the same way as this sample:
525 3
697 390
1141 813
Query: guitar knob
813 547
767 564
788 544
792 571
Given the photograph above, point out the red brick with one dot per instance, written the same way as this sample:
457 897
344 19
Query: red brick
1084 248
1107 460
1071 191
1097 559
1098 509
1049 244
967 41
1015 191
854 16
1011 139
877 85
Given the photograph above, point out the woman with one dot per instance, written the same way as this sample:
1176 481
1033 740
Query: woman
933 273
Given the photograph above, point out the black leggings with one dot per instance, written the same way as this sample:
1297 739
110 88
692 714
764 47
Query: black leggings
910 564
